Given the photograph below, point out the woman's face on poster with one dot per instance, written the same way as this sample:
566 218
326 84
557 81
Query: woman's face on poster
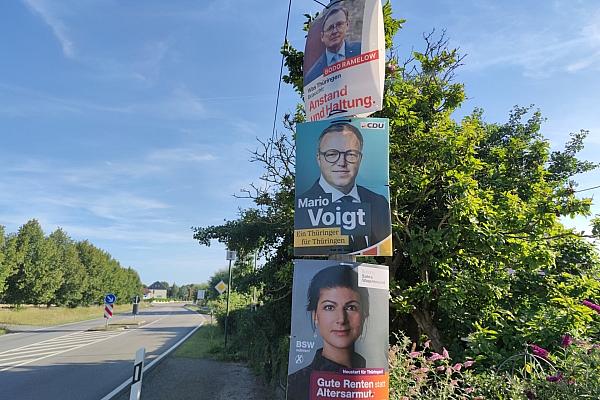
339 317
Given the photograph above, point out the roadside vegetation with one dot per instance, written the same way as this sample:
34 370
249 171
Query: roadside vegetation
207 342
492 296
36 316
55 270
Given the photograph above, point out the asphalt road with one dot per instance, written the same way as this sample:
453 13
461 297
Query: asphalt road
79 361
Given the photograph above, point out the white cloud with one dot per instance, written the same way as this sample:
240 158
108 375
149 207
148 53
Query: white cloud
46 12
558 39
180 155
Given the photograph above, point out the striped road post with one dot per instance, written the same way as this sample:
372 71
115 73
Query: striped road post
109 300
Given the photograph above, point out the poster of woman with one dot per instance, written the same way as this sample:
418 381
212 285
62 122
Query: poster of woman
339 341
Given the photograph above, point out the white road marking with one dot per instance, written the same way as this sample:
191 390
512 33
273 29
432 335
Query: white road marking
123 385
55 346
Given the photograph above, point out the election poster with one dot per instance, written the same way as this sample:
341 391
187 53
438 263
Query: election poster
344 60
342 188
339 339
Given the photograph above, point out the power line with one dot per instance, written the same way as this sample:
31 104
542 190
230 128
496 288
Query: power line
585 190
287 24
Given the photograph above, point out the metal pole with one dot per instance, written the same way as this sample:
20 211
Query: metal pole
227 313
254 287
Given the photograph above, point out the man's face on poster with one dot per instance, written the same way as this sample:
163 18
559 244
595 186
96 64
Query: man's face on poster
339 158
334 30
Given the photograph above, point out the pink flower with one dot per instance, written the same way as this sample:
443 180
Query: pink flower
414 354
591 305
469 363
440 368
435 357
539 351
445 353
424 370
453 382
566 341
469 390
457 367
426 344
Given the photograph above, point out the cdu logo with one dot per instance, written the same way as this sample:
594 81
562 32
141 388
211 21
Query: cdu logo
372 125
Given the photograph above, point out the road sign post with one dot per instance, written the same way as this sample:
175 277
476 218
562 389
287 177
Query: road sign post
109 301
138 370
136 305
231 255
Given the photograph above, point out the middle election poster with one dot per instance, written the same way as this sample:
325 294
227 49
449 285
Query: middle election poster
339 341
342 188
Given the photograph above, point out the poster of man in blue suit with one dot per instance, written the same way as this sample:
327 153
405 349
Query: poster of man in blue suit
344 60
342 193
336 24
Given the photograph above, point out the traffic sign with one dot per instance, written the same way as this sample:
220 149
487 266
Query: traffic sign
221 287
110 298
108 311
200 294
231 255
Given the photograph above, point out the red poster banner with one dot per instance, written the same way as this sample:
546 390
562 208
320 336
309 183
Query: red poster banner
357 383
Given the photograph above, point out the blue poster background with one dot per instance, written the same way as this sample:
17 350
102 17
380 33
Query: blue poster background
374 167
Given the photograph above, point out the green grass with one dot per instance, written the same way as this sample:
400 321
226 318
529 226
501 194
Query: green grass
207 342
42 316
2 331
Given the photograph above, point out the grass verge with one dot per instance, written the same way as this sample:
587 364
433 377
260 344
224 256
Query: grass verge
207 342
42 316
2 331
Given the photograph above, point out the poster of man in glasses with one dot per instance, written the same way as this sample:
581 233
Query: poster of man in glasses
344 60
342 193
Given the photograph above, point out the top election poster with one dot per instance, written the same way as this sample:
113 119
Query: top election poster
340 326
342 188
344 60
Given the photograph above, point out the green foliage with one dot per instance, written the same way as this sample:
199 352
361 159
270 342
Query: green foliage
35 277
482 263
4 267
237 301
74 283
427 375
578 375
35 269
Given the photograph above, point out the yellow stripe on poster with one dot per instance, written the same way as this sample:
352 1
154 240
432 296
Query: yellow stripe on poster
315 237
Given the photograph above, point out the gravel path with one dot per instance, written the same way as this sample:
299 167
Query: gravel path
189 378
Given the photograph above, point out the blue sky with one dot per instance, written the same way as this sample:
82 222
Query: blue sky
126 123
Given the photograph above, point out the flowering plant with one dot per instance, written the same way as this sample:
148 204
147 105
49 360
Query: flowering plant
427 375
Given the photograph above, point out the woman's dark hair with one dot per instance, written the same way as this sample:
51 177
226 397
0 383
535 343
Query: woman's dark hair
336 276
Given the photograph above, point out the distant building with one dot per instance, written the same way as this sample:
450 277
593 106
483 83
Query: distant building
156 291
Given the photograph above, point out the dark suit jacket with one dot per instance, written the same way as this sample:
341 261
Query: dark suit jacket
380 216
352 49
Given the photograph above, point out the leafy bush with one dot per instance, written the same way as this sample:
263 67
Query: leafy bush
426 374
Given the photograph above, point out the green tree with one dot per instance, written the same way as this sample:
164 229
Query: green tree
36 277
97 265
173 291
480 251
74 283
4 264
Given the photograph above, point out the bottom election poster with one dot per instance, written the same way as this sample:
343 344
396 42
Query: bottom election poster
339 341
